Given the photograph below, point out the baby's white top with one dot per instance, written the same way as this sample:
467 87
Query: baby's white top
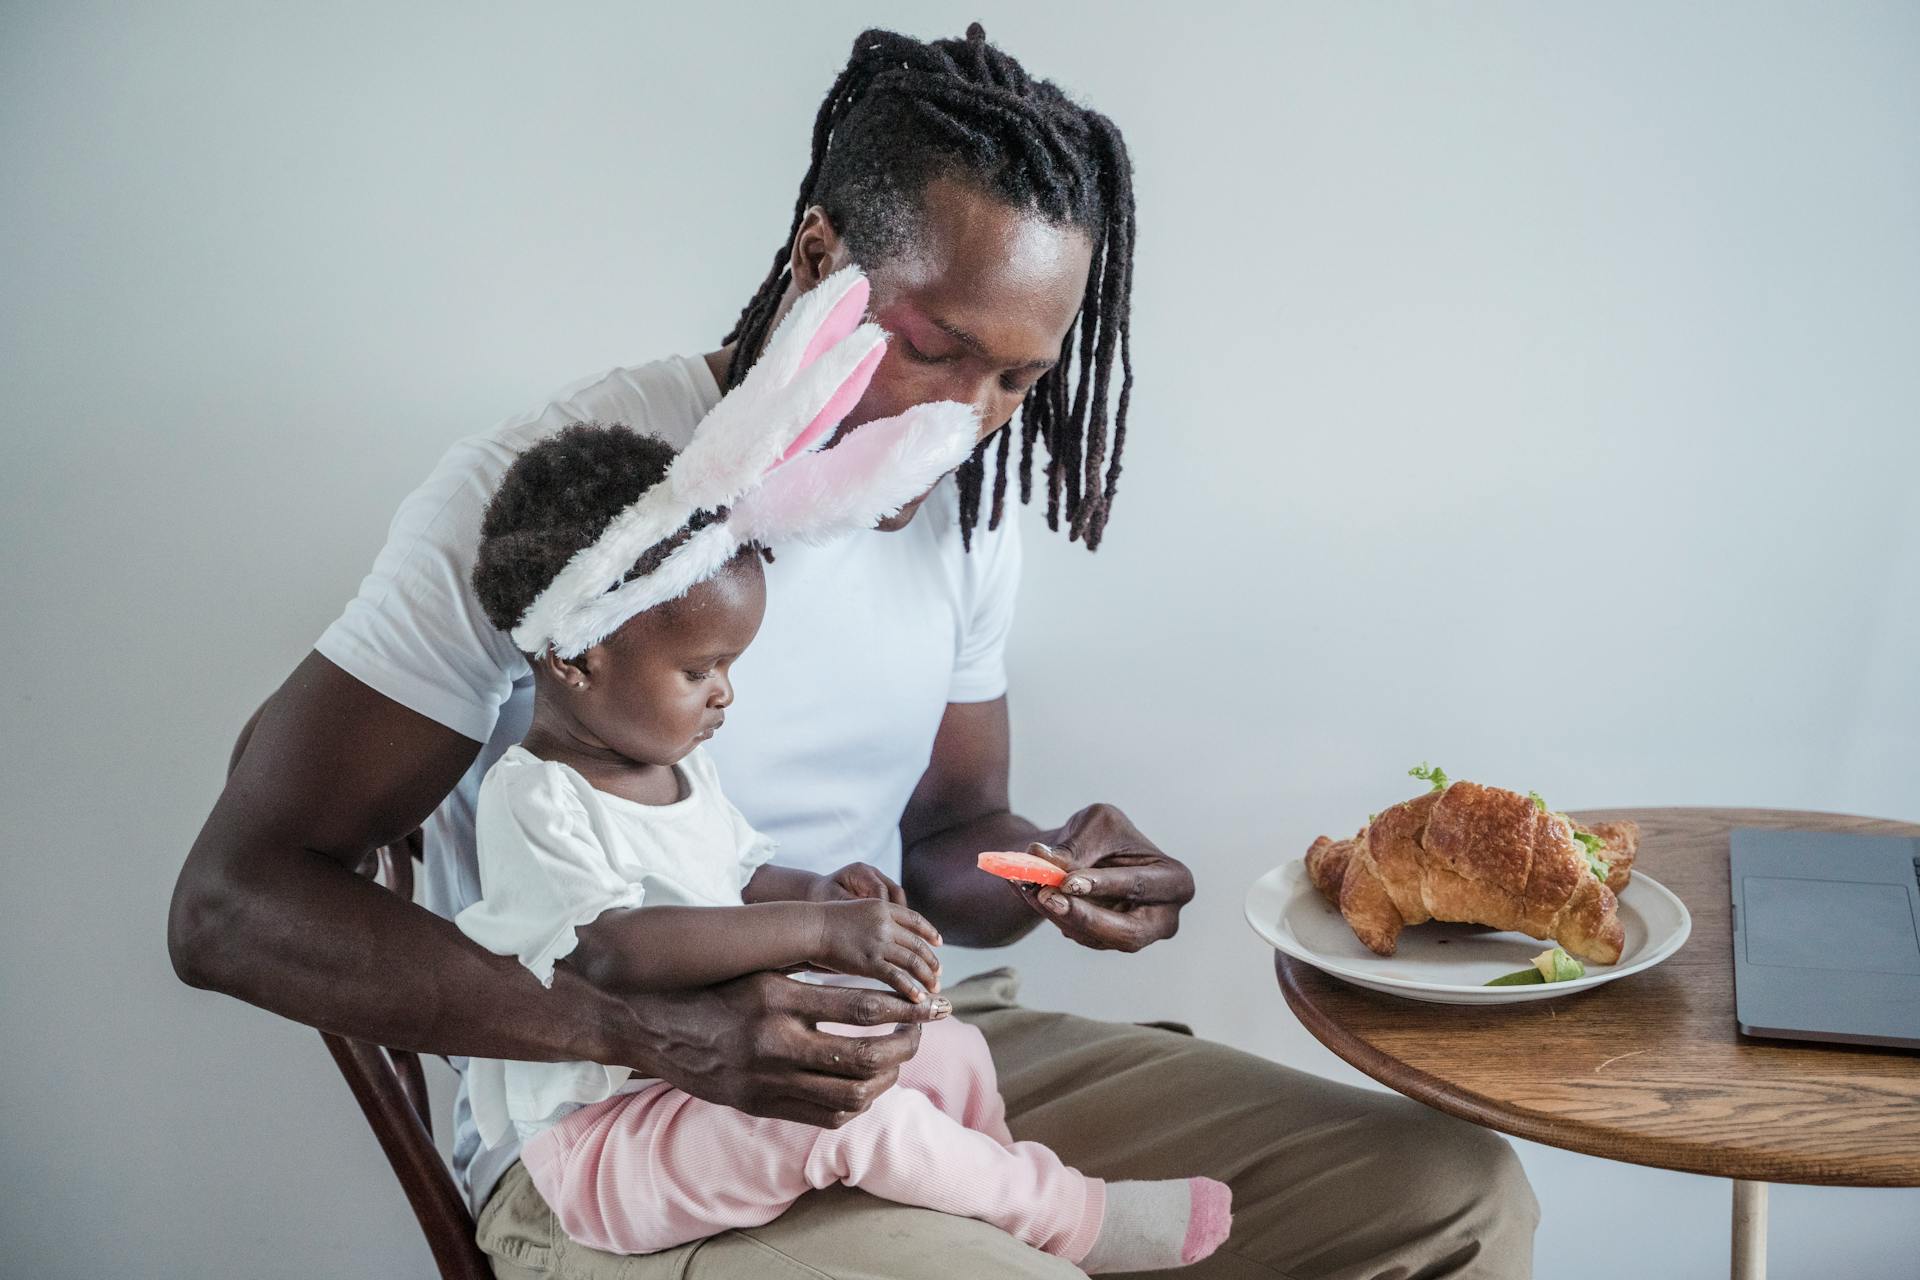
554 854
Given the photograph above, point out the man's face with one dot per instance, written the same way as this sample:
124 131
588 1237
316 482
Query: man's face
977 310
661 685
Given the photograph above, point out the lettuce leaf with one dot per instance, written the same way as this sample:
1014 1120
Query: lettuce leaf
1591 845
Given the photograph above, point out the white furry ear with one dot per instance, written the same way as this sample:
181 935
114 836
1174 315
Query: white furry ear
592 570
820 317
756 425
759 453
870 474
693 562
812 371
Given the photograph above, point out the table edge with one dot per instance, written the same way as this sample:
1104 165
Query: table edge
1653 1152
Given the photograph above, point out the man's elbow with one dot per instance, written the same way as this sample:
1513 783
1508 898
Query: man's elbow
201 919
199 928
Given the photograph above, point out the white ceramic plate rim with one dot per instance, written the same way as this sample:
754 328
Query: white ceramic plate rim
1288 880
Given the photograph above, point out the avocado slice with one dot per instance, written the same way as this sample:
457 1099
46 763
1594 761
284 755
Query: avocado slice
1555 965
1551 965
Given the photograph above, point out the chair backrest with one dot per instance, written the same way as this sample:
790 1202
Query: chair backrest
392 1091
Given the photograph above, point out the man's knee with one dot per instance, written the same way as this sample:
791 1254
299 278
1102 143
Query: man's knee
1456 1193
1465 1174
1498 1172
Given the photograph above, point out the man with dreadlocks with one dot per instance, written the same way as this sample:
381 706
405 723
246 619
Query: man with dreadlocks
994 219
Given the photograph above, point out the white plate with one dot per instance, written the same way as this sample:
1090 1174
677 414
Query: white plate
1450 963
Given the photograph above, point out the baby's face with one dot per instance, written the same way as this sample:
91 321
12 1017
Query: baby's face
660 686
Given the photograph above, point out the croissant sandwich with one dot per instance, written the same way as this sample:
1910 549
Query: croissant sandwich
1480 855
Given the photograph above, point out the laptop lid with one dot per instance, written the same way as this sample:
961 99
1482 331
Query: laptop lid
1826 936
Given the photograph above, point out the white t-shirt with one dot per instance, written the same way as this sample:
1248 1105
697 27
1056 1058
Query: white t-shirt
554 854
837 702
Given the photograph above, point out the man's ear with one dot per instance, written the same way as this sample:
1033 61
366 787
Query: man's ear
818 251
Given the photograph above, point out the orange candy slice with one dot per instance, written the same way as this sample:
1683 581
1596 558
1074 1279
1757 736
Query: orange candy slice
1027 867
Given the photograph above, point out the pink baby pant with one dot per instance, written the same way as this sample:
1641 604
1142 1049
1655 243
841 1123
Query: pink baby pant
651 1170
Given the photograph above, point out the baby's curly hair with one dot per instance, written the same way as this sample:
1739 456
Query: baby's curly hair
556 499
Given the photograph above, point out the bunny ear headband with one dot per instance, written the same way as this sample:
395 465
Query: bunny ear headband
756 463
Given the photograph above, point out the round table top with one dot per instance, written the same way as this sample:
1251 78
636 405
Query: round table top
1650 1069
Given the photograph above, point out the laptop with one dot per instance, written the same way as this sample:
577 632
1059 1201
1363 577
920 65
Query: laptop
1826 937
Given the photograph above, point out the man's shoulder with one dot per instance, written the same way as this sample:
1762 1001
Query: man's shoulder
666 398
663 398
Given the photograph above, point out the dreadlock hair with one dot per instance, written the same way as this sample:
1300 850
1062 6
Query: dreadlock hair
903 113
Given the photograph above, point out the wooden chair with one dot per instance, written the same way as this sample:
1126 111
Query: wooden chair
392 1091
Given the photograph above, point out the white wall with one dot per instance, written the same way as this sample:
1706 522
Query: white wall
1529 387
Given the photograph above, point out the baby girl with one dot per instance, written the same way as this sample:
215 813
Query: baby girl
633 579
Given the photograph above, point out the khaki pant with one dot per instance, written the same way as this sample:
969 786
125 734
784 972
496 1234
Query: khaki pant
1329 1182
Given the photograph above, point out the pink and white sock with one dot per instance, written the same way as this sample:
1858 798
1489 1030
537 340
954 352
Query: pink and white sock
1156 1226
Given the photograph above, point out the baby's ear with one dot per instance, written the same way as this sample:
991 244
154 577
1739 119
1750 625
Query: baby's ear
570 672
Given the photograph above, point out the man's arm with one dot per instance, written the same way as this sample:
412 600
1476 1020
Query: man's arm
268 909
1124 893
957 812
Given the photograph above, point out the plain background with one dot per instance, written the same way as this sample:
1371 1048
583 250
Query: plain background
1529 387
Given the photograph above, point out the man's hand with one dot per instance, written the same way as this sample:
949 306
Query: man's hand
753 1044
1122 894
857 880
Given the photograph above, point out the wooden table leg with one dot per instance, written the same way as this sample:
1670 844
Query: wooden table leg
1749 1230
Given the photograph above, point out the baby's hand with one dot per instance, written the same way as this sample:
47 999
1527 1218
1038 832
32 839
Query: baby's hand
873 938
858 880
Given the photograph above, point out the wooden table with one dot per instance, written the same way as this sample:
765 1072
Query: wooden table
1652 1069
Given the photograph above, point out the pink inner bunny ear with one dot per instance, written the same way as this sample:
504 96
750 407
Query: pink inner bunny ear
840 404
841 321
